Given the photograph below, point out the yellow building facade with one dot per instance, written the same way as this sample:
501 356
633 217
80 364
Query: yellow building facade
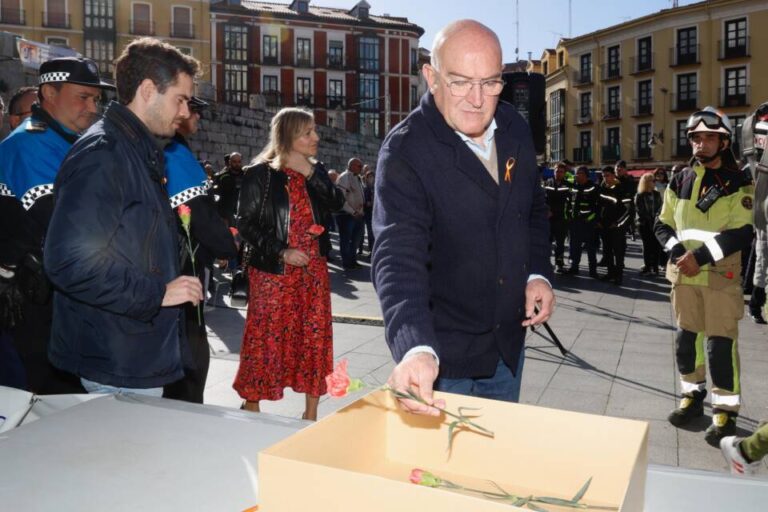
625 92
100 29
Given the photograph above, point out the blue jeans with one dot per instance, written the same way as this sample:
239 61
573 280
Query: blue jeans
501 386
350 235
95 387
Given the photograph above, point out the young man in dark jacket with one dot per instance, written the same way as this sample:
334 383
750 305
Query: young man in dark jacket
112 248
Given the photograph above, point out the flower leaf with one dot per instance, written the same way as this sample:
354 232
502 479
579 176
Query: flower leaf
559 501
451 432
582 491
536 508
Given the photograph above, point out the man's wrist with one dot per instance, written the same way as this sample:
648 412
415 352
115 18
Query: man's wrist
421 349
539 276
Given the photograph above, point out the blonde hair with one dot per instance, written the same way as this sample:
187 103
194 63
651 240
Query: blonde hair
646 183
284 129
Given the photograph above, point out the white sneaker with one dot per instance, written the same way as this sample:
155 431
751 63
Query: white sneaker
730 447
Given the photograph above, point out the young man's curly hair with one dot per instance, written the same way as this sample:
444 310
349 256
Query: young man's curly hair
151 58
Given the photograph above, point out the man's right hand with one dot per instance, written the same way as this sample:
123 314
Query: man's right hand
183 289
417 373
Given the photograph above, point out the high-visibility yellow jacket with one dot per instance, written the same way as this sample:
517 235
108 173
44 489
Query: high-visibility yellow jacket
716 236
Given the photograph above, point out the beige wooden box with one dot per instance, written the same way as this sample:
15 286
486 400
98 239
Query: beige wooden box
360 458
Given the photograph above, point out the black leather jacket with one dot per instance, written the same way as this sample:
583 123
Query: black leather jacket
268 235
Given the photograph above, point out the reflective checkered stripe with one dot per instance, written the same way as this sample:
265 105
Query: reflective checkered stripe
35 193
57 76
186 195
5 191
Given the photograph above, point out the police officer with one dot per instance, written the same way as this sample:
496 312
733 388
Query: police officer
585 197
68 96
558 197
705 223
614 220
210 239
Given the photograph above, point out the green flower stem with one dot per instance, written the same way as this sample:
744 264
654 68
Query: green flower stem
410 395
194 272
529 501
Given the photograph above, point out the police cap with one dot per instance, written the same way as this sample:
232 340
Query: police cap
196 104
73 70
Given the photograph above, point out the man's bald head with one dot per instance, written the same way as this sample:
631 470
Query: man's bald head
463 31
355 165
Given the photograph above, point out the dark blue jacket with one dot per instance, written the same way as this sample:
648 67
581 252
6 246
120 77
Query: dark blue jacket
454 250
111 248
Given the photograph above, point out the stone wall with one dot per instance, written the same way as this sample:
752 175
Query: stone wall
225 128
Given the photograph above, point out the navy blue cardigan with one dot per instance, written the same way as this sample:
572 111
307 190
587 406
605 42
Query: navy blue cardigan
454 249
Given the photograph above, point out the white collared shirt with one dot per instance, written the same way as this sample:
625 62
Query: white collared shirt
482 151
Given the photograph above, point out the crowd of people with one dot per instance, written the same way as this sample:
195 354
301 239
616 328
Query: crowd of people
111 228
113 302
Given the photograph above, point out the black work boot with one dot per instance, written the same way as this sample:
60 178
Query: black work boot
691 406
723 425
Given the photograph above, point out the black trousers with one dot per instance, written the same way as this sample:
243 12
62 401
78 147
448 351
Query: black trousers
191 387
558 230
615 248
30 339
651 247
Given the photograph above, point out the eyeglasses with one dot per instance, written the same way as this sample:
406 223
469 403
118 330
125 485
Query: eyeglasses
461 88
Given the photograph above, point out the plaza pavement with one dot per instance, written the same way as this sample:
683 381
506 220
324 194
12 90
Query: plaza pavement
621 360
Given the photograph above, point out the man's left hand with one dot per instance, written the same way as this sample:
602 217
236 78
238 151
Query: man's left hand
687 264
538 293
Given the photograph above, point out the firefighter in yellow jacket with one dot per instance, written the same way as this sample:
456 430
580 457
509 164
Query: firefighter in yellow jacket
705 223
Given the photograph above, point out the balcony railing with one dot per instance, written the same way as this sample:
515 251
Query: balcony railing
185 30
611 112
681 149
142 27
270 60
303 62
610 71
335 62
56 20
582 155
582 116
611 153
642 152
368 65
304 100
642 108
272 98
733 96
641 64
684 56
12 16
688 101
733 48
333 101
582 77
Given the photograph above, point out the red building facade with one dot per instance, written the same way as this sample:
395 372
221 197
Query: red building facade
355 70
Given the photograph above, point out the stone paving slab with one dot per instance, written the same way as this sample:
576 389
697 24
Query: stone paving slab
621 361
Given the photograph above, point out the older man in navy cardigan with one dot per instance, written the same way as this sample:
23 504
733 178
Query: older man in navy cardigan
461 262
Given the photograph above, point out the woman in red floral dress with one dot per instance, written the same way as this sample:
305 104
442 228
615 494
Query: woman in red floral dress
288 339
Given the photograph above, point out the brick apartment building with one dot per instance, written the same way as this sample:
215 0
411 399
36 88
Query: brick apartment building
355 70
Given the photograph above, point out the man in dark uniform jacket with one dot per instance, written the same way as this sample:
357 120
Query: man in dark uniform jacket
558 193
68 96
211 239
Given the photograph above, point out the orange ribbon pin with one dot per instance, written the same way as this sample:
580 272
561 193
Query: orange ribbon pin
510 166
